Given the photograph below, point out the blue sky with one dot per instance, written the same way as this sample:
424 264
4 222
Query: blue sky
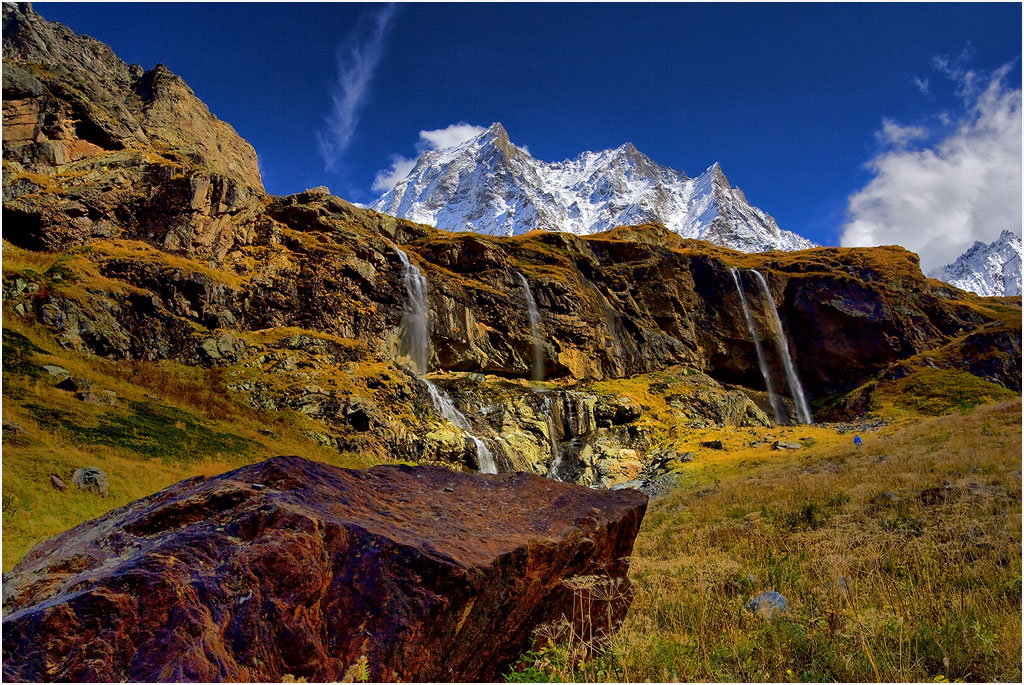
805 106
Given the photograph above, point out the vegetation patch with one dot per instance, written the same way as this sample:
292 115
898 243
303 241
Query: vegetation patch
883 583
149 430
940 391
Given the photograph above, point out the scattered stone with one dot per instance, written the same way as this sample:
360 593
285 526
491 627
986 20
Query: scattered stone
57 483
885 499
713 444
808 442
768 604
58 371
225 347
12 430
782 445
91 479
932 496
268 432
214 580
101 397
75 384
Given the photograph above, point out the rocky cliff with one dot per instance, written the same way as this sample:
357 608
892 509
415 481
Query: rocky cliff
169 249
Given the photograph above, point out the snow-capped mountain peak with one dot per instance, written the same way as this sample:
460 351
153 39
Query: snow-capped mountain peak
490 185
992 269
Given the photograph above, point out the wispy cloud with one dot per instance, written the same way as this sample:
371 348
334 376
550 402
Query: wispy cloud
357 60
437 139
921 84
894 135
937 194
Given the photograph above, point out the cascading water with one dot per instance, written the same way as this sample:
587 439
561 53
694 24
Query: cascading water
556 457
761 363
417 314
417 328
795 389
537 374
485 460
534 316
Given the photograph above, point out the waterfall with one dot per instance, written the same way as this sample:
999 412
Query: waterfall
443 403
570 414
417 313
417 327
761 363
534 315
795 389
556 457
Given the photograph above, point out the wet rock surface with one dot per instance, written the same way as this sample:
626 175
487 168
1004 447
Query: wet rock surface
294 568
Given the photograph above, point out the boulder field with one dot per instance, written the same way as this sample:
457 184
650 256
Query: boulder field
294 568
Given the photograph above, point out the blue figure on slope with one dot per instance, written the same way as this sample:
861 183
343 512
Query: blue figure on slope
857 441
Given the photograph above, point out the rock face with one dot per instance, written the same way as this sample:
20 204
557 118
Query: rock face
150 158
291 567
488 184
169 249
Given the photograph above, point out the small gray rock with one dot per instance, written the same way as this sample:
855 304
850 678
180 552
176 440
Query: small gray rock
58 371
91 479
768 604
12 429
713 444
57 483
780 445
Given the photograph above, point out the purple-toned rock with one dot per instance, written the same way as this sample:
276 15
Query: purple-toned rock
292 567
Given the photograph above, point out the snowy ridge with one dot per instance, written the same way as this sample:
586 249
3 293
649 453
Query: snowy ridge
987 270
489 185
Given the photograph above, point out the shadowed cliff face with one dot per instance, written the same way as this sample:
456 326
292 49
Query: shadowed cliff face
171 250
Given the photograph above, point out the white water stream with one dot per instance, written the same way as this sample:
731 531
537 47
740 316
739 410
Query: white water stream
537 372
795 389
761 363
417 328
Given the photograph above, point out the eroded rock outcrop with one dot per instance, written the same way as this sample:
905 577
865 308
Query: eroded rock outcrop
170 249
291 567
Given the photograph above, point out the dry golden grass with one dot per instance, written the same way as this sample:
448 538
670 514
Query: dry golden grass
901 560
169 422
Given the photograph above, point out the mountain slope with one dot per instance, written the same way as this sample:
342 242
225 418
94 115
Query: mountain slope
489 185
992 269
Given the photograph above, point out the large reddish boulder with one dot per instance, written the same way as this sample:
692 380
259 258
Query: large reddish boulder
292 567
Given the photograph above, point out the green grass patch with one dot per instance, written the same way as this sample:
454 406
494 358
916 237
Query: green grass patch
149 430
940 391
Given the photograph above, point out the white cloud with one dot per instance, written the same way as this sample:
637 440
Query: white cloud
921 84
899 136
451 136
938 199
438 139
357 59
387 179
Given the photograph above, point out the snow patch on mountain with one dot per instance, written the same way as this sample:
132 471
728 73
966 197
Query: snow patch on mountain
489 185
987 270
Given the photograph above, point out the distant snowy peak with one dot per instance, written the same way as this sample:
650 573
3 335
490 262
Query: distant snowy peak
490 185
992 269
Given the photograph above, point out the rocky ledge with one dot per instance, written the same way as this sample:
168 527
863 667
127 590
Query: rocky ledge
295 568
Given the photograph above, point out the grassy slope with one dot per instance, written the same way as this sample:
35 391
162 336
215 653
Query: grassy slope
883 586
169 422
